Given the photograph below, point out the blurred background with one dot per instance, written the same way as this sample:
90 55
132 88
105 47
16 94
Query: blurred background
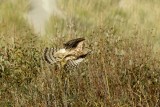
47 16
122 71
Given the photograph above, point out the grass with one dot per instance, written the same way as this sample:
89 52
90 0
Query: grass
122 71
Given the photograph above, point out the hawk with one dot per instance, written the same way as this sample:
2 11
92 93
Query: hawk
70 55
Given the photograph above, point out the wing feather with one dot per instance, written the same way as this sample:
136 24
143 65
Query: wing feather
74 63
73 43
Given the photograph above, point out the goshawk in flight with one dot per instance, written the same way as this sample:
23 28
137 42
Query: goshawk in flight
70 56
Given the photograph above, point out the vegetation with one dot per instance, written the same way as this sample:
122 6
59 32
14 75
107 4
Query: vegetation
122 71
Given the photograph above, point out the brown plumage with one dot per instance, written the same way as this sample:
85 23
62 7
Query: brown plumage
71 55
73 43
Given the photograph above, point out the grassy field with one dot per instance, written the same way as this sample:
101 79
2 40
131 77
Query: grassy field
122 71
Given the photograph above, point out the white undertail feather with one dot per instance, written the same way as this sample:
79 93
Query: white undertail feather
62 50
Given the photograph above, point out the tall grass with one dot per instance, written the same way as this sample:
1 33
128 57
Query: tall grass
123 69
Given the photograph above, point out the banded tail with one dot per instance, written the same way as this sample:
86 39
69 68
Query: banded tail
49 55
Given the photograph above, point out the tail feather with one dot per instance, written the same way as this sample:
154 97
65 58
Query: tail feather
49 55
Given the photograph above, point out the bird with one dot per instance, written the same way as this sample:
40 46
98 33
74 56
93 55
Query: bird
72 53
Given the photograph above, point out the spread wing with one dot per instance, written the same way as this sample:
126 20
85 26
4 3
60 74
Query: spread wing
74 43
74 62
